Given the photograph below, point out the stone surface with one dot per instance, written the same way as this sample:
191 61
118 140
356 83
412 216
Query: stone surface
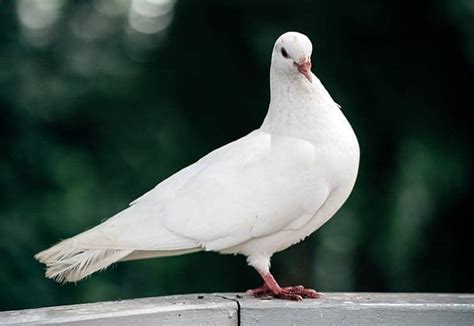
235 309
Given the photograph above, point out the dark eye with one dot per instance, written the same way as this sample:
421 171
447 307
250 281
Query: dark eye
284 53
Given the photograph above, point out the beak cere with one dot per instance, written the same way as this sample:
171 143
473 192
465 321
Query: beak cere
305 68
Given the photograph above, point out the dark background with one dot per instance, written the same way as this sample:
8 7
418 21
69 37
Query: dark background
100 100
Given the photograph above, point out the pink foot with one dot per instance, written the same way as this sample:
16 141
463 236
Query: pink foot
296 293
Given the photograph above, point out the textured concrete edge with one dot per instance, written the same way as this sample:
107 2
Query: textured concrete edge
235 306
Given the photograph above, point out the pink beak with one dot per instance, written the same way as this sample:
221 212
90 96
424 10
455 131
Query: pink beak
305 68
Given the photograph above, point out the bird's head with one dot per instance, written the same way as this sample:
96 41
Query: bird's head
292 55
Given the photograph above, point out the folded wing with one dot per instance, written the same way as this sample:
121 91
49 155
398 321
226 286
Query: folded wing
253 187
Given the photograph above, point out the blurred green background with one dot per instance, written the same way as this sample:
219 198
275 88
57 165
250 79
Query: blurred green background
100 100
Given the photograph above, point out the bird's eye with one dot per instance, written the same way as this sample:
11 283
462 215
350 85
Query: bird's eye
284 53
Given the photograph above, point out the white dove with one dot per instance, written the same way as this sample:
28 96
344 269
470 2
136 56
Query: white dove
255 196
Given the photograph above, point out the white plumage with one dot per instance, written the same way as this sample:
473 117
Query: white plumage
255 196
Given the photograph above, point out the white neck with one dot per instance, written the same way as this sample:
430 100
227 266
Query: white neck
298 108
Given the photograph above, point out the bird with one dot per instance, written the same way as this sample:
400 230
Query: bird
255 196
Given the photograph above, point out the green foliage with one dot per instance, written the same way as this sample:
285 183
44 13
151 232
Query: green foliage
100 100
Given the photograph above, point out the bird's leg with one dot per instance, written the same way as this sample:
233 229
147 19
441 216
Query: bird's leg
271 288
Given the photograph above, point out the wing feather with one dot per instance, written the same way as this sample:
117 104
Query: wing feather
253 187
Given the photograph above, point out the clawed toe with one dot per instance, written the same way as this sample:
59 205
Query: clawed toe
295 293
259 292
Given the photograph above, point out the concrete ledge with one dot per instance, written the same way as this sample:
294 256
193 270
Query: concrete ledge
239 309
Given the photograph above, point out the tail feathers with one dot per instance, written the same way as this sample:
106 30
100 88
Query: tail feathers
64 263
